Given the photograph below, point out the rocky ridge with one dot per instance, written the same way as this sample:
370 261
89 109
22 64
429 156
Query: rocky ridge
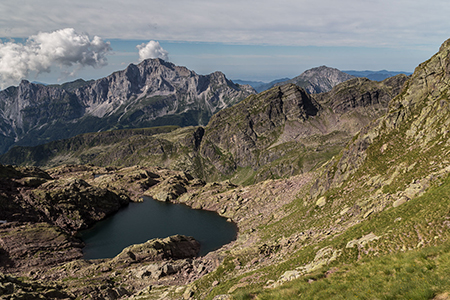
152 93
416 121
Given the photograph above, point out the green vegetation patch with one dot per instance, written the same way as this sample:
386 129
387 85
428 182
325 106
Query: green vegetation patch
419 274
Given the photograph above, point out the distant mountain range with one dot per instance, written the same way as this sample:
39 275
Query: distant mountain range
321 79
375 75
316 80
152 93
260 86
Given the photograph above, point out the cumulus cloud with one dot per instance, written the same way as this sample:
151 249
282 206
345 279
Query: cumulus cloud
152 50
64 48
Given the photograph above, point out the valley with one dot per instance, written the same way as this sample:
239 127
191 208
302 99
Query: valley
342 194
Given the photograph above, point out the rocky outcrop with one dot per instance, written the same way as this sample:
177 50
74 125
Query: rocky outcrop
152 93
319 80
17 288
34 247
73 204
323 257
32 195
173 247
360 93
235 136
13 182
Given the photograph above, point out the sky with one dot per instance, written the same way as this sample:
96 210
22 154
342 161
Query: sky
55 41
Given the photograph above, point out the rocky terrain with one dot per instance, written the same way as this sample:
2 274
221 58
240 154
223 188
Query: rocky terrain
152 93
42 212
369 222
278 133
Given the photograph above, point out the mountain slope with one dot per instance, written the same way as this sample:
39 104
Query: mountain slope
152 93
285 131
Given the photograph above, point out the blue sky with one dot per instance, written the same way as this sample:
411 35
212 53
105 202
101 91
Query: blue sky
60 40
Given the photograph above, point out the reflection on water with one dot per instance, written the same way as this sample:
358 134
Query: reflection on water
139 222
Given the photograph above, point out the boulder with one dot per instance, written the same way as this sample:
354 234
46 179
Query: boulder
173 247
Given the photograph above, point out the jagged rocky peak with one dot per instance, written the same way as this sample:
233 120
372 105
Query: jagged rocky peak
253 124
158 67
267 109
151 93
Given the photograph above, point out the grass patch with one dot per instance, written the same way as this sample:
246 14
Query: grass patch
419 274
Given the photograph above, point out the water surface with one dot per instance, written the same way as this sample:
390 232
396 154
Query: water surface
139 222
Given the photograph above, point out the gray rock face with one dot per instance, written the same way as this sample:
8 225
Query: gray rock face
152 93
319 80
254 124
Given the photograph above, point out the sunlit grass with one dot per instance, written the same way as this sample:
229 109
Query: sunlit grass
419 274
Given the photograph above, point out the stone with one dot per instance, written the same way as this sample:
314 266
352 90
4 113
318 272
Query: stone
223 297
362 241
323 257
321 202
400 201
368 213
188 293
344 211
173 247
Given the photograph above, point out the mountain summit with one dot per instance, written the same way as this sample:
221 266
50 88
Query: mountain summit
319 80
152 93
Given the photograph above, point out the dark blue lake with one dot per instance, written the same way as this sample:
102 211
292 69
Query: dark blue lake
139 222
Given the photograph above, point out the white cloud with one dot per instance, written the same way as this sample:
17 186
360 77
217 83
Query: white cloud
64 48
152 50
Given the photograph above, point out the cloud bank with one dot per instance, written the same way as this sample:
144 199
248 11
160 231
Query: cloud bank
64 48
152 50
379 23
